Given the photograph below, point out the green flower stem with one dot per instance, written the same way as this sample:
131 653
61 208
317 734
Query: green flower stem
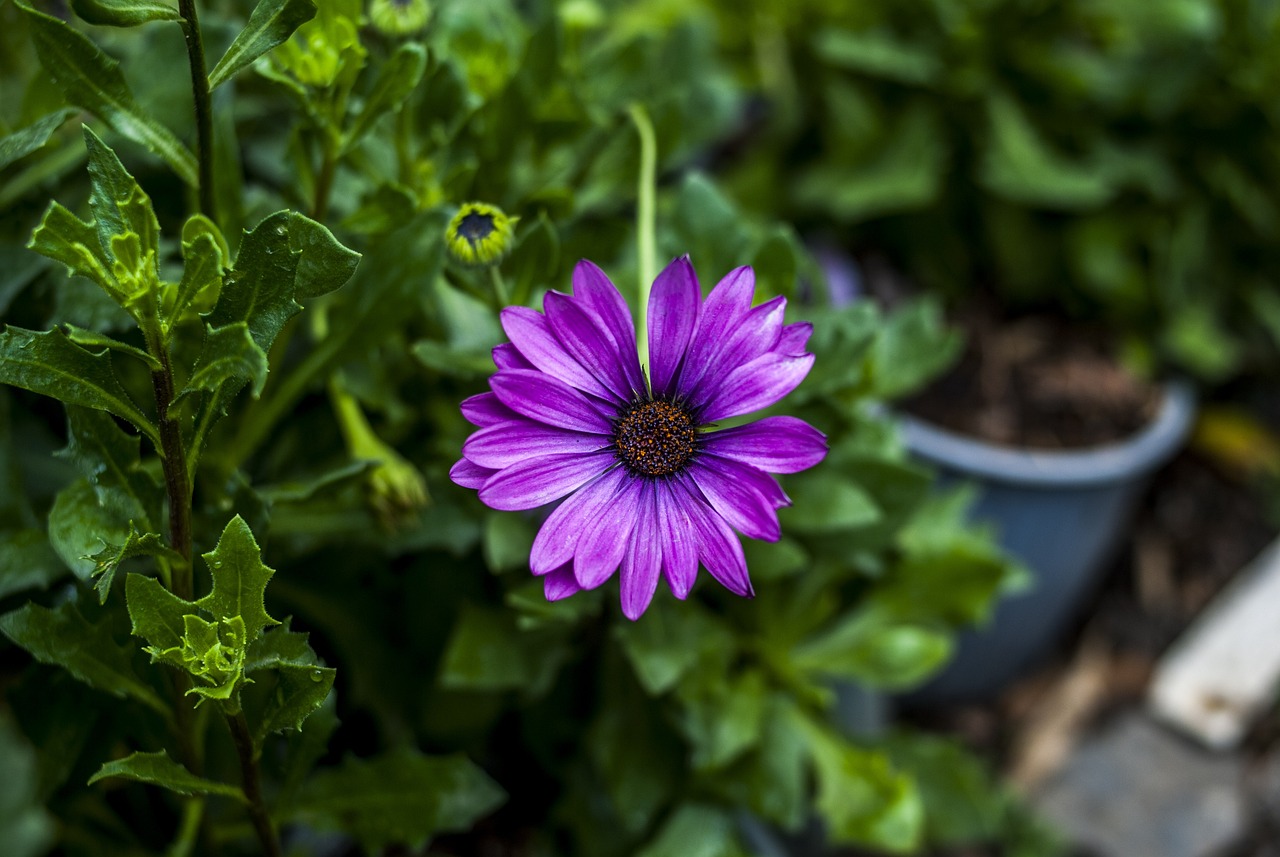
499 287
396 485
252 782
646 222
203 104
324 182
189 828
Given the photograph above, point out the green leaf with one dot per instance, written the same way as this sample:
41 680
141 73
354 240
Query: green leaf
65 238
507 541
300 690
671 640
124 13
119 204
398 77
229 354
107 561
93 339
52 365
27 562
26 140
26 829
877 53
913 346
203 252
325 264
695 830
722 717
111 460
876 649
824 501
158 616
92 80
158 769
964 805
239 580
270 24
402 797
62 637
488 652
80 523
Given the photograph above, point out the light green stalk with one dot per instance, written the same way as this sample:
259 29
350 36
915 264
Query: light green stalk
646 222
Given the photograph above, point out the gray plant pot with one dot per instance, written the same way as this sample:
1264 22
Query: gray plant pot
1062 513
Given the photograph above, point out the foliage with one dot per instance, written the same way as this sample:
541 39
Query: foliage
260 381
1109 160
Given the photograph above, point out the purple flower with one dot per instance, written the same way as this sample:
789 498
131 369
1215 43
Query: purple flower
646 486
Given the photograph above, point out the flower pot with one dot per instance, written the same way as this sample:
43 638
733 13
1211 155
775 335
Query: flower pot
1062 513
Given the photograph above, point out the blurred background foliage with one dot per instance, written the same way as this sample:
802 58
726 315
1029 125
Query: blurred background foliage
1110 160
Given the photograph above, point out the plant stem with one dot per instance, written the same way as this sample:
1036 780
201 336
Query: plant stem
499 287
258 814
203 104
177 484
646 222
324 182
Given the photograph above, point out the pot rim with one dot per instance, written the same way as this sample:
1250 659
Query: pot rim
1092 466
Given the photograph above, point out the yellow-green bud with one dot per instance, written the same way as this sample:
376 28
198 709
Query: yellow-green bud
399 17
480 234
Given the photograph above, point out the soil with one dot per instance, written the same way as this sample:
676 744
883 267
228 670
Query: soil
1036 382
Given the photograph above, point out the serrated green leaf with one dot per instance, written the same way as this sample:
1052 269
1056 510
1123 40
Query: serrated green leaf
157 615
107 561
270 24
124 13
695 830
158 769
229 355
213 652
874 648
119 205
26 829
203 252
398 77
92 80
26 140
27 561
92 339
401 797
65 238
79 524
62 637
325 264
280 645
300 691
239 580
111 460
48 363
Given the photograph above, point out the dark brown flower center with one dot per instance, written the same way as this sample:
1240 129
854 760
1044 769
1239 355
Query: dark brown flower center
655 438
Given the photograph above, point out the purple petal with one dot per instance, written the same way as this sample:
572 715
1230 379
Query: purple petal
595 292
605 539
588 344
734 492
642 563
531 332
539 481
773 444
756 385
485 410
679 543
560 584
724 309
794 339
757 334
507 356
470 475
515 440
549 400
560 533
673 313
718 546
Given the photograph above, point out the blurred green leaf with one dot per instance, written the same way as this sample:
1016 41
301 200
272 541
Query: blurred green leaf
398 76
111 460
124 13
26 140
26 827
824 501
913 346
875 649
92 80
507 541
27 562
877 53
270 24
62 637
80 525
695 830
158 769
402 797
488 652
721 717
669 642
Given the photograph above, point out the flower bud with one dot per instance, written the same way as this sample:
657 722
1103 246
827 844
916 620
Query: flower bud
480 234
399 17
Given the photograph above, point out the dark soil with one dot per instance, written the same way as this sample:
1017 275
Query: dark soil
1036 382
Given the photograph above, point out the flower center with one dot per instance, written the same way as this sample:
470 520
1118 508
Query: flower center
655 438
476 226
